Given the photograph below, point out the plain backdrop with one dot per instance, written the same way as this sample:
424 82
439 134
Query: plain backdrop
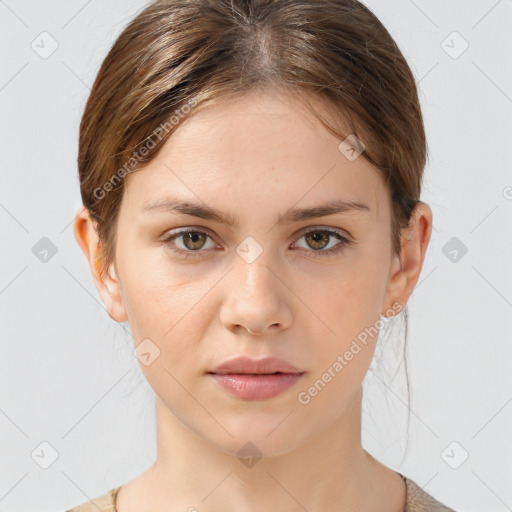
72 396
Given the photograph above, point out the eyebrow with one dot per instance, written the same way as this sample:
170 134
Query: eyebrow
187 207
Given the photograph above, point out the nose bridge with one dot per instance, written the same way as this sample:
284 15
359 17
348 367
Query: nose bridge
253 264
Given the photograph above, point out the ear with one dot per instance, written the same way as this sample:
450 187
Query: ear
414 242
108 286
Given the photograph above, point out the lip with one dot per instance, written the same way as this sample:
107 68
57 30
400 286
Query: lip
256 379
246 365
256 387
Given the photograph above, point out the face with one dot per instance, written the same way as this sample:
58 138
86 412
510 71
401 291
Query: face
303 288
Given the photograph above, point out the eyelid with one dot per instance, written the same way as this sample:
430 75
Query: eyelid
316 227
301 232
176 232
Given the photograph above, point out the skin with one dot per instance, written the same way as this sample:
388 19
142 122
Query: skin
255 158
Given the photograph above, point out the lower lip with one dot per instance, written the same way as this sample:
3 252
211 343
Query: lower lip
256 387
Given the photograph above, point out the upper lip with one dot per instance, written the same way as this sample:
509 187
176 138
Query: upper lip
265 365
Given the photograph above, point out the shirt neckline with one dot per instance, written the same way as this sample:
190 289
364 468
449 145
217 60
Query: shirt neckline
116 490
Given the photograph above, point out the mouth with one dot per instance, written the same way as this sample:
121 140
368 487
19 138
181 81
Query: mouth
244 373
255 379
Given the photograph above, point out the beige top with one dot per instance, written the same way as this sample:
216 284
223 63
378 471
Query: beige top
417 500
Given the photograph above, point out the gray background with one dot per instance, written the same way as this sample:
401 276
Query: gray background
67 375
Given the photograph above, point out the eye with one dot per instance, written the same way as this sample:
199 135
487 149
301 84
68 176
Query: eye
192 240
318 239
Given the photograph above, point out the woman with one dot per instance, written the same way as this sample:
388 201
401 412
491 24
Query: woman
251 177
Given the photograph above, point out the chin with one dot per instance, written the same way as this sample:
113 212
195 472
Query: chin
258 437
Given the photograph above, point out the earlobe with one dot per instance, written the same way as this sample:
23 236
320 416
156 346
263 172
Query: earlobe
107 286
112 296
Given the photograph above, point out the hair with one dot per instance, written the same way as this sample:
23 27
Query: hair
177 57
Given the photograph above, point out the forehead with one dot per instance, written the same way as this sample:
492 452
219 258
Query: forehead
260 149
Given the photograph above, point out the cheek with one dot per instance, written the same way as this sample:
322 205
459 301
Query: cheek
341 358
154 297
350 294
365 279
165 314
348 305
167 305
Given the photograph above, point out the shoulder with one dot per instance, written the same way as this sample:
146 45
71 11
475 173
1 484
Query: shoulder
104 503
418 500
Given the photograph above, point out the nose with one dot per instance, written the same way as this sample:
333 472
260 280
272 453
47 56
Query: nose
256 299
259 332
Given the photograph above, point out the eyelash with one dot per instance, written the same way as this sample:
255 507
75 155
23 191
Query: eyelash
344 241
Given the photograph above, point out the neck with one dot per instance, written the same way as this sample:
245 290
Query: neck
192 473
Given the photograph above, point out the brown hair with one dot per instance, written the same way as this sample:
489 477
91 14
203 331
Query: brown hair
177 53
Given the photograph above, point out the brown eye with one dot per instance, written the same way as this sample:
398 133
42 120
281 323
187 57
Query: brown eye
188 242
194 240
318 239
